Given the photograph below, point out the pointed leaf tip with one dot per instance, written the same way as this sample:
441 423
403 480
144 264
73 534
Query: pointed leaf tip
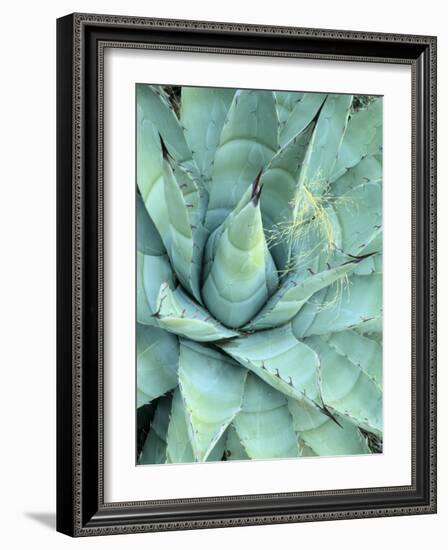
256 188
165 153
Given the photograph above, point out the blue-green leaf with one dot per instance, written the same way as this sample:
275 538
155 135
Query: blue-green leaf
212 386
347 389
368 170
361 351
363 137
304 450
154 449
203 111
187 234
234 448
285 103
217 453
279 187
178 446
148 238
178 313
154 108
325 436
371 264
264 425
214 238
323 150
248 141
358 305
359 214
302 114
276 356
152 272
150 175
157 361
294 294
242 273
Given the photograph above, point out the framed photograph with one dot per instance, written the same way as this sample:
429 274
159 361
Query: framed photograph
246 274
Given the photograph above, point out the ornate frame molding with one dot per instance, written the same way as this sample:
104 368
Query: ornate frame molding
81 42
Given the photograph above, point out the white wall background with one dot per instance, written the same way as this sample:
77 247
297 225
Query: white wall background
27 289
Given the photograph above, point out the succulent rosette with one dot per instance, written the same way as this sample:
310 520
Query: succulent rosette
259 274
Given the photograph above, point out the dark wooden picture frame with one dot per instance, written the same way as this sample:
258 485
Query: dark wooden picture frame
81 509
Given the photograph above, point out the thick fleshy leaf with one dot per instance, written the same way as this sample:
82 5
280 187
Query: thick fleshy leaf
154 107
178 446
144 311
214 238
178 313
152 272
315 244
347 389
248 141
217 453
325 436
304 450
375 336
148 238
234 448
150 175
157 361
294 294
203 111
363 137
156 271
359 215
194 195
276 356
372 264
154 449
149 155
361 351
141 399
212 387
210 252
368 170
264 425
358 305
187 235
302 114
242 275
285 103
322 154
279 188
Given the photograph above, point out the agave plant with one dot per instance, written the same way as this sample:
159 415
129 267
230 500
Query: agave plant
259 274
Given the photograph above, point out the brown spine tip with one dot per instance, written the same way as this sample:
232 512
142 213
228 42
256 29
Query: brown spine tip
256 188
328 413
165 153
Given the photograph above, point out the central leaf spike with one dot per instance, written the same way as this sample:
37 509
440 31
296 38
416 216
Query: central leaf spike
256 188
242 275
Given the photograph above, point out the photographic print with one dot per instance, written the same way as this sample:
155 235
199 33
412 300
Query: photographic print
258 274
